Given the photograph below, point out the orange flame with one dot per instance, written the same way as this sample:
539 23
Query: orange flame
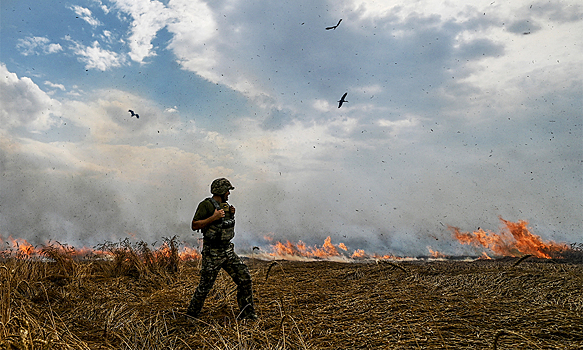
436 254
359 254
514 239
19 248
189 253
387 257
327 250
24 247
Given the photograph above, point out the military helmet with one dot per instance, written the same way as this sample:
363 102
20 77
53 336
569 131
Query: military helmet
221 186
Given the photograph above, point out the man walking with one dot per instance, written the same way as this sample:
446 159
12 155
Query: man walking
216 219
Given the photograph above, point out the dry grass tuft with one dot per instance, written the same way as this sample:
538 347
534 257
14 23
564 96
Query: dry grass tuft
521 260
62 256
139 260
386 262
269 269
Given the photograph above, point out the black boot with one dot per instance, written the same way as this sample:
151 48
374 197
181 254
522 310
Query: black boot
194 308
246 307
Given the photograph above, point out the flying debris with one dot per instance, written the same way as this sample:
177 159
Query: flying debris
134 114
334 27
342 100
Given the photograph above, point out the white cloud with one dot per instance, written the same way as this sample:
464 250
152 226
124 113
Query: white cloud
37 45
110 37
194 37
25 104
397 125
55 86
148 18
193 28
321 105
103 7
96 57
86 15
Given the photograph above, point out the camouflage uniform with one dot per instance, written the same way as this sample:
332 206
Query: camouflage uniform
218 253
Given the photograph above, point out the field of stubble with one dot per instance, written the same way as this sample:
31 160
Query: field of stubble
125 304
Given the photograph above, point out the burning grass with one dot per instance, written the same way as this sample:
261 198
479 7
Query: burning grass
514 239
136 300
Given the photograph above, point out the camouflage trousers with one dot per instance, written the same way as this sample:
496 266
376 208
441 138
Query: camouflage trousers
213 260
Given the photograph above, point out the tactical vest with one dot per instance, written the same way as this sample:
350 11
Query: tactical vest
220 232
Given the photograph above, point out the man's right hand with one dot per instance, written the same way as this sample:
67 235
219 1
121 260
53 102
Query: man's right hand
218 214
199 224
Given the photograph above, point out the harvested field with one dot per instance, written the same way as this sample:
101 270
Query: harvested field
483 304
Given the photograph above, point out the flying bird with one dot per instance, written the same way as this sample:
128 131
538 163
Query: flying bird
134 114
342 100
334 27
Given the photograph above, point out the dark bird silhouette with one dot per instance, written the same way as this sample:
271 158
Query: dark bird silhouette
134 114
334 27
342 100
